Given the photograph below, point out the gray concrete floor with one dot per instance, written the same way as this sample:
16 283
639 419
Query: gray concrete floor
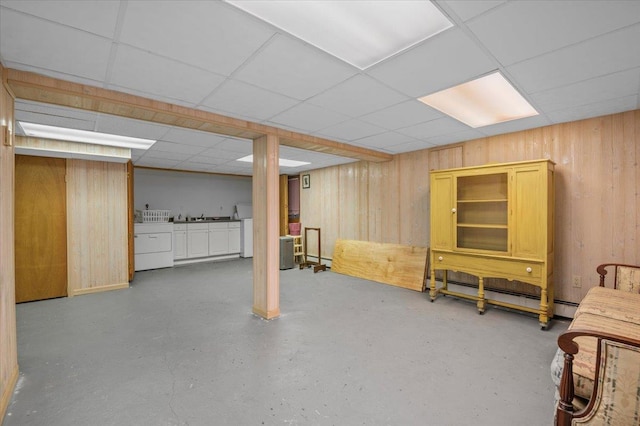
181 347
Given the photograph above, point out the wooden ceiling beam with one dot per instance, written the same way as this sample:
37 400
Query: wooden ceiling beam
34 87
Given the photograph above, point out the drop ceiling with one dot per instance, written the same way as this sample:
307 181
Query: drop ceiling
570 59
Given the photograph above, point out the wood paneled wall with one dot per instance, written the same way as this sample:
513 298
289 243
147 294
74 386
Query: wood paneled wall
8 342
96 226
597 195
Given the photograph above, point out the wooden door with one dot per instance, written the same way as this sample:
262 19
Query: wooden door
442 217
529 198
284 205
40 228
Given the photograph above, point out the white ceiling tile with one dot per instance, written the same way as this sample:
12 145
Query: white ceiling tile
596 109
208 34
437 127
523 29
154 75
351 130
193 137
156 162
402 115
165 155
610 53
98 17
598 89
129 127
241 146
307 118
448 59
383 140
410 146
50 73
467 9
357 96
201 159
223 154
237 98
53 46
515 125
294 69
465 135
175 147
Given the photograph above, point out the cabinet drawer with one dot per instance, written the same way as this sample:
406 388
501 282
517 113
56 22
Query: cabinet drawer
197 226
223 225
180 227
234 225
490 267
153 242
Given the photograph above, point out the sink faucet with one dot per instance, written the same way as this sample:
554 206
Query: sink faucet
202 216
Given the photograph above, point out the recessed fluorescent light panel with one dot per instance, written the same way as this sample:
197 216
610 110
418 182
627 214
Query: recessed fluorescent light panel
487 100
361 33
281 161
83 136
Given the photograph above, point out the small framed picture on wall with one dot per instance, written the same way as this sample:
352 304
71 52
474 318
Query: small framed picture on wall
306 181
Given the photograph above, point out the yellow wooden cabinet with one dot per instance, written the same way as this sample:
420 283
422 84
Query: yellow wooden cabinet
495 221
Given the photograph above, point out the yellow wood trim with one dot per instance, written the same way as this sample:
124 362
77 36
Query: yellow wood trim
35 87
492 165
8 391
81 291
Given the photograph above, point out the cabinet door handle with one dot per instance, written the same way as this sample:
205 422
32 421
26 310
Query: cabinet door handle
529 269
440 258
453 210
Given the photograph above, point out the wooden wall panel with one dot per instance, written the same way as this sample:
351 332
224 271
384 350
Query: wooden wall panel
97 226
8 342
597 195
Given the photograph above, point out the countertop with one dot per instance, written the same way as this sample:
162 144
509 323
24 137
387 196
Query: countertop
206 220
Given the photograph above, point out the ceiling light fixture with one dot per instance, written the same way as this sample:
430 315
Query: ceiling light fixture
361 33
281 161
84 136
487 100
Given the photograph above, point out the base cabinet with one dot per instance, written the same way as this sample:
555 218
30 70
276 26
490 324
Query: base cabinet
180 242
197 240
234 237
495 221
206 240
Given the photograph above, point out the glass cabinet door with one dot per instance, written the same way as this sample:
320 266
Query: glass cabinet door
482 212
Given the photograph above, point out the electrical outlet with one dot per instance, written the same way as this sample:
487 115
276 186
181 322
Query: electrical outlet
577 281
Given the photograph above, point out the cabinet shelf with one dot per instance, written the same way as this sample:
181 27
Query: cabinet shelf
482 225
490 200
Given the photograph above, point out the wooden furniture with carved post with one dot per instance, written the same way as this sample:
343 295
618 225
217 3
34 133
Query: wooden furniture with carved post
495 221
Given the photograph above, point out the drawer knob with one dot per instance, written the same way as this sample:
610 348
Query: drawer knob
453 210
440 258
529 269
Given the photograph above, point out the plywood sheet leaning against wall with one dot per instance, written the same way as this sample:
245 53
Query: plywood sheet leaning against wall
394 264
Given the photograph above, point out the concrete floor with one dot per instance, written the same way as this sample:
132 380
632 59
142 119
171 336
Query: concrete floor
181 347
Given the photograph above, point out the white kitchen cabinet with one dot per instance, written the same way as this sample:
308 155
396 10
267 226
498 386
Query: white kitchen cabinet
197 240
234 237
218 239
180 241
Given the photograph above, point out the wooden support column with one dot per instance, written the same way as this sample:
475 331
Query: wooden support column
266 230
